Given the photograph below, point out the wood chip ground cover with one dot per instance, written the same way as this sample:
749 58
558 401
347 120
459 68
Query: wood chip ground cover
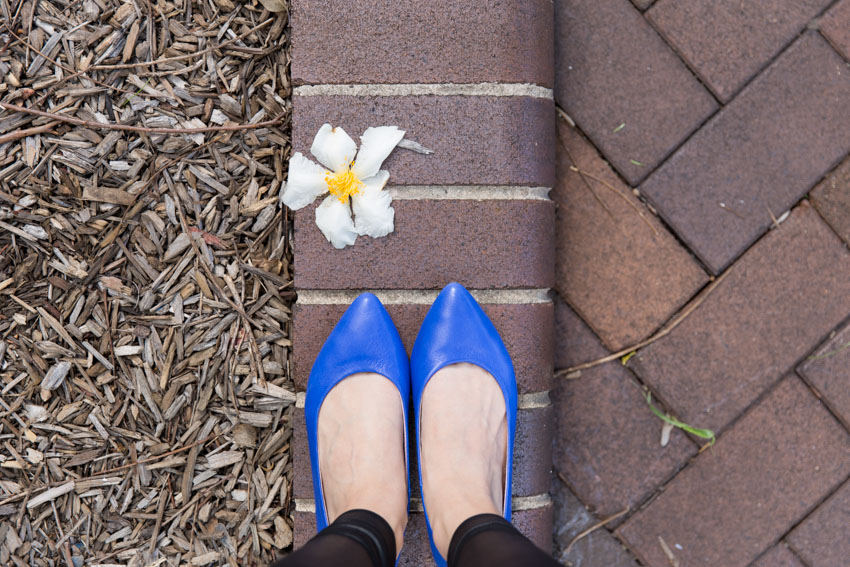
145 283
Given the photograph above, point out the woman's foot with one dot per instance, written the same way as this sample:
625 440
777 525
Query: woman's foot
361 450
463 447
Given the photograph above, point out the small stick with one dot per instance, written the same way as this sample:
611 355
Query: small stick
18 134
66 78
70 532
595 527
66 553
614 189
129 128
182 57
663 332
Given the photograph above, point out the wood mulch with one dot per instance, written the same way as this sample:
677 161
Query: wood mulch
145 283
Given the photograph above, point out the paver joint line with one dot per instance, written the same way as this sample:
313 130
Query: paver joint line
518 503
468 192
422 296
534 400
427 89
665 330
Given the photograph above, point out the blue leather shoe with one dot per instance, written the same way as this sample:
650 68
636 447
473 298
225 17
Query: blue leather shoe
455 330
364 340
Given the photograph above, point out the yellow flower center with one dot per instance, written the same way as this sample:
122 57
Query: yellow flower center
344 184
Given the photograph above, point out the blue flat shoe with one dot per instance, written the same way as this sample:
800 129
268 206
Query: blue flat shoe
364 340
456 330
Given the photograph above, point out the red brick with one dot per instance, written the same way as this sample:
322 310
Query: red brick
575 343
304 528
535 524
533 451
475 139
643 4
612 68
822 539
302 481
726 42
531 467
597 549
778 556
831 198
759 155
608 442
828 371
526 330
836 27
616 263
778 302
409 41
499 244
741 495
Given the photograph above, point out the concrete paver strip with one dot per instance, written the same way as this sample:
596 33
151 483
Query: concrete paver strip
476 140
409 41
498 244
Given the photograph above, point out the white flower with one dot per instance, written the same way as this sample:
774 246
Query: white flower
360 179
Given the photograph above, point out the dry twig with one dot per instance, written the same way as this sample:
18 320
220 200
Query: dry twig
681 316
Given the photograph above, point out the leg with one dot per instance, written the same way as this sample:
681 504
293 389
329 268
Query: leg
463 474
361 450
489 539
357 538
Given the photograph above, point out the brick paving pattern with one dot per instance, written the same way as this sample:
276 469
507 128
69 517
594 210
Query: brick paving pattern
753 187
711 141
759 155
821 540
492 166
726 42
835 26
832 200
778 556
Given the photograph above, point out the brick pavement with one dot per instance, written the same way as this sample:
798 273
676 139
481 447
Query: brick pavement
477 211
753 188
710 142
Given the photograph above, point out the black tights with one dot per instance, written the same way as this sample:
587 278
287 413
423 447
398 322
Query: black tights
360 538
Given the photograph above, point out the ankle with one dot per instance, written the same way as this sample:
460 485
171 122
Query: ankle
394 515
453 511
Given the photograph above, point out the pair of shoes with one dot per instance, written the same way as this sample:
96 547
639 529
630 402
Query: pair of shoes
455 330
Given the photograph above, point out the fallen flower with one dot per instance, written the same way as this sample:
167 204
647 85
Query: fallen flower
361 180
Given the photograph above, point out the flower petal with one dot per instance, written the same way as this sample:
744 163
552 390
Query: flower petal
305 182
334 220
375 145
333 148
373 215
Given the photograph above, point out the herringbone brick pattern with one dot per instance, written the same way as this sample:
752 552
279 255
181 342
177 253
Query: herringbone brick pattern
725 125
